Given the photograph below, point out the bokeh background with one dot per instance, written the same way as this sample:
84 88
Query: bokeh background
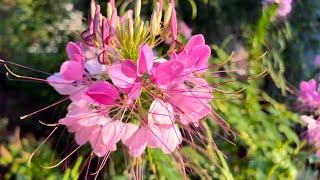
269 142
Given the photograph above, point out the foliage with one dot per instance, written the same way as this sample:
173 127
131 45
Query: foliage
15 156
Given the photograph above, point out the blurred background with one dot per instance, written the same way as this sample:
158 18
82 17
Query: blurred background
269 142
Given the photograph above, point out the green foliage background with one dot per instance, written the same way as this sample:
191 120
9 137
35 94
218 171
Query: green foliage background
268 141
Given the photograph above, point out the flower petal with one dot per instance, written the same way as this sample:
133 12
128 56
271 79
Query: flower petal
63 86
94 67
75 52
161 113
167 72
137 143
195 40
103 93
71 70
123 75
145 60
171 138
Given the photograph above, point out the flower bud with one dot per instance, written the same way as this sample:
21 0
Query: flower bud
109 11
137 11
154 23
167 15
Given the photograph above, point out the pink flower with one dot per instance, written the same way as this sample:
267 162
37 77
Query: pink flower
309 93
284 8
70 80
313 132
76 73
195 55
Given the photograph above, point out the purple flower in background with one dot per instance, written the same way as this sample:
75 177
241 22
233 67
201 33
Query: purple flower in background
185 30
313 131
309 94
317 60
285 6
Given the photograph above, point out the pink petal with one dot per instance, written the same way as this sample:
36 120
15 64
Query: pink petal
71 70
75 52
123 75
161 113
63 86
83 135
137 143
134 93
70 123
129 130
103 93
92 119
112 133
198 58
145 60
167 72
193 104
171 138
194 41
98 147
153 136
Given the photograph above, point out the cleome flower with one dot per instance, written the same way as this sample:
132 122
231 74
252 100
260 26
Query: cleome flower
124 92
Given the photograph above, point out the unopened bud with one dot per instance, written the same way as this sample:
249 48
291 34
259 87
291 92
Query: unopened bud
109 11
130 27
137 11
92 9
154 23
167 15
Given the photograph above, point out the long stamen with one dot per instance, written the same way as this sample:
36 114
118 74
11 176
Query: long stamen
25 67
42 143
42 109
56 165
23 77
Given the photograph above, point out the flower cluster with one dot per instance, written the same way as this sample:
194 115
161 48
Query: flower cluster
310 94
313 131
122 91
310 97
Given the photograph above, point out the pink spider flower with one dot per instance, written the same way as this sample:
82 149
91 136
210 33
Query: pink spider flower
309 93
